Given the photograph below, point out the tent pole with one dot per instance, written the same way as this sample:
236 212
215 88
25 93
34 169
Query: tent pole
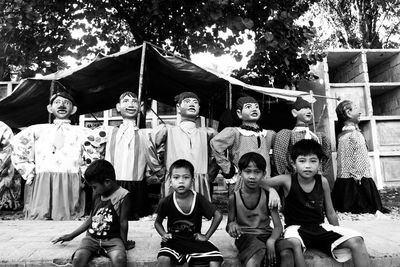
51 94
230 97
140 88
312 110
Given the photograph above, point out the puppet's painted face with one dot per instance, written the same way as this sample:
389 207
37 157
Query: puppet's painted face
354 113
250 112
62 108
303 115
189 108
128 107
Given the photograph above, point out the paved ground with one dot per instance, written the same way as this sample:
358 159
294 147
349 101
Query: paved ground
28 243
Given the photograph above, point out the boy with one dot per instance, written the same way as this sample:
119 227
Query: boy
240 140
285 139
307 199
249 217
107 226
50 158
187 141
183 240
130 150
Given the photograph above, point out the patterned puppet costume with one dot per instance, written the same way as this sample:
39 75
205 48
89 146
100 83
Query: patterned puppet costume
50 158
10 182
355 190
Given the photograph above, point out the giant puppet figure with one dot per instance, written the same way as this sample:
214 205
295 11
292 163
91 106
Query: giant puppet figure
187 141
285 139
49 157
131 150
237 141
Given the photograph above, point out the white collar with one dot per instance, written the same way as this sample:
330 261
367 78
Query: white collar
188 126
59 122
179 208
245 132
350 128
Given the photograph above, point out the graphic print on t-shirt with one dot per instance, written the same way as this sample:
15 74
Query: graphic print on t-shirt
101 222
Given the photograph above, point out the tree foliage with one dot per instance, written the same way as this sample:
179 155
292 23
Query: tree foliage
182 26
358 23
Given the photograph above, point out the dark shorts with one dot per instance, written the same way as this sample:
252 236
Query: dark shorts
324 237
250 244
181 250
101 247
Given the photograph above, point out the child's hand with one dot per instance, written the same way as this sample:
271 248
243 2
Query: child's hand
271 252
130 244
234 230
274 200
165 237
62 239
200 237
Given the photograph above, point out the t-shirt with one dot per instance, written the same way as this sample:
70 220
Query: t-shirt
181 223
302 208
105 215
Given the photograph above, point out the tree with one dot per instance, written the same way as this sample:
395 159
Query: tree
357 23
184 27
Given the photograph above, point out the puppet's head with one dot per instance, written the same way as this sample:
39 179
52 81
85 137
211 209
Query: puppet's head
301 110
62 105
128 105
247 109
188 105
348 111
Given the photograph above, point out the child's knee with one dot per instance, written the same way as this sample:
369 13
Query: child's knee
164 259
257 258
354 242
289 243
81 257
118 257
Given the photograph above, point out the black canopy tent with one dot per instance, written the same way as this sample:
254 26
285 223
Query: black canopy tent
147 70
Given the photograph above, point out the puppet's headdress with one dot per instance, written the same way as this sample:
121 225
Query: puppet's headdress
301 103
61 90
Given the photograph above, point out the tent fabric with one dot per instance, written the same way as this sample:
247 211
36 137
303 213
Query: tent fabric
98 85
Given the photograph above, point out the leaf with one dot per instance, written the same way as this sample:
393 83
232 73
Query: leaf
248 23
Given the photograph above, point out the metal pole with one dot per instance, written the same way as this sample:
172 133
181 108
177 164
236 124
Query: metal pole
140 88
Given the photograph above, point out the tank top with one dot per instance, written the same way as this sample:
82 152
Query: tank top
302 208
253 220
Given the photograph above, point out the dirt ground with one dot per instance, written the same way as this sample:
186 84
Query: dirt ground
390 199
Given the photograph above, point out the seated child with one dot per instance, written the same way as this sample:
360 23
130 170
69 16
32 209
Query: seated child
107 226
249 217
183 240
307 201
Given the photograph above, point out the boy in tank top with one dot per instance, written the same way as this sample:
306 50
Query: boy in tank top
307 202
249 218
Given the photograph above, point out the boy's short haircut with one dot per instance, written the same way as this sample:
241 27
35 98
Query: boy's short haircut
179 98
127 93
307 147
254 157
245 100
99 171
182 163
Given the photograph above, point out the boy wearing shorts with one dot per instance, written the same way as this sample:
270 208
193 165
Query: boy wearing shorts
107 226
307 201
183 240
